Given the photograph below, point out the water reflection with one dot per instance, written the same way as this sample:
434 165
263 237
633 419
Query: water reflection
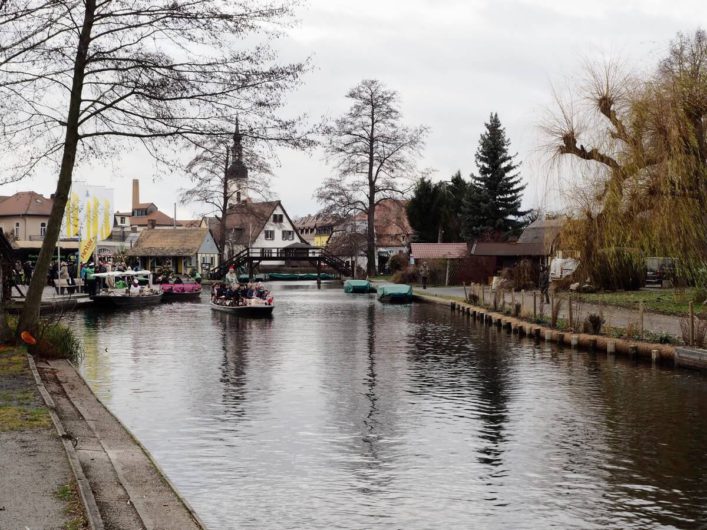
340 412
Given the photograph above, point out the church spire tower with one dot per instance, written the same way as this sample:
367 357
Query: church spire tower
237 173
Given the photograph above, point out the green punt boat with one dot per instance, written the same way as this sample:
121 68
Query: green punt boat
395 294
358 286
283 276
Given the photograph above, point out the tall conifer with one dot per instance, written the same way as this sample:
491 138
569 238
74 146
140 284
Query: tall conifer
491 207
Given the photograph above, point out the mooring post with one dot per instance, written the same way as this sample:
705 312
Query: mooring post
692 323
569 303
535 306
640 319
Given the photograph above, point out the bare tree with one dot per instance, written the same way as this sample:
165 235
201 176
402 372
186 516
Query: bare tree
221 174
75 74
373 153
641 143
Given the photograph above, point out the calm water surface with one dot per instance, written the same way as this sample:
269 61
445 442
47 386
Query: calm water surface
341 412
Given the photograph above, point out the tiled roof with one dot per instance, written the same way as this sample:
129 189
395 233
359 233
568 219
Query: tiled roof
244 221
484 248
161 219
176 242
438 250
26 203
542 231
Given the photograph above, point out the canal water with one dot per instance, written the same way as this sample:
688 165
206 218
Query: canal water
341 412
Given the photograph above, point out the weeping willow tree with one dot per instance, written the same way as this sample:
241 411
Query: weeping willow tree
641 153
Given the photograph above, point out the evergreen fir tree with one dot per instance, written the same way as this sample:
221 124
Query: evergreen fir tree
491 207
423 211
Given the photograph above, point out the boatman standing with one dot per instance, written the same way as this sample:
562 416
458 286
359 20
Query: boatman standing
231 278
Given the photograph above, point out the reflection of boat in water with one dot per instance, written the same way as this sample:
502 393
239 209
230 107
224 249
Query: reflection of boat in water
118 292
395 294
249 310
175 292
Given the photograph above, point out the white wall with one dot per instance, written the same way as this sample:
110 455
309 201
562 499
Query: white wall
278 228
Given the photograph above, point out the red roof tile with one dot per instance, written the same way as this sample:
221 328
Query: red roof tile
439 250
26 203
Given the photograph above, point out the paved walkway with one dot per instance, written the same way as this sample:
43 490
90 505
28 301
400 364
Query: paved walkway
34 466
614 316
130 491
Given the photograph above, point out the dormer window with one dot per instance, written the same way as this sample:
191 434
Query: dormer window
278 218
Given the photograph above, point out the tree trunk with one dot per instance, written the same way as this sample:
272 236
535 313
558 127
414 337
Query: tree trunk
29 318
371 236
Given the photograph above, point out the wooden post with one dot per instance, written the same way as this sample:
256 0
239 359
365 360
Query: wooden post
466 296
483 295
569 303
640 319
692 324
446 276
513 298
522 300
319 273
535 305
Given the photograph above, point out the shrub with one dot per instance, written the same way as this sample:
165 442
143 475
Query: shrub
593 324
398 262
57 341
700 330
407 275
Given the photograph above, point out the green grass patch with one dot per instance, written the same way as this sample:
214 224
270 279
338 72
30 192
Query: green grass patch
69 493
665 301
21 418
13 363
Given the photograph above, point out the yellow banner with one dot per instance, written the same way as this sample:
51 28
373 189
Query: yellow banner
87 248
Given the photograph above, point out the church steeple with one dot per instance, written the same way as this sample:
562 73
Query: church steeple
237 169
237 172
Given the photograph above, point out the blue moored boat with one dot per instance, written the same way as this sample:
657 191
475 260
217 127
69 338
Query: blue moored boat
357 286
395 294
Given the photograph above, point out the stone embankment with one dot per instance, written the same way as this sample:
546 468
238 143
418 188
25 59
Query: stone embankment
87 471
662 353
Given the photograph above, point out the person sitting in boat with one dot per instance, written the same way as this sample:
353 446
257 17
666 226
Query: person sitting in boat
178 280
231 277
250 292
135 288
120 284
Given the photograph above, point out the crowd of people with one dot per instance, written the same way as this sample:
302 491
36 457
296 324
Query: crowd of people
231 292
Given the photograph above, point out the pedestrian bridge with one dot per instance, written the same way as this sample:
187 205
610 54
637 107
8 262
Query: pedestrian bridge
252 257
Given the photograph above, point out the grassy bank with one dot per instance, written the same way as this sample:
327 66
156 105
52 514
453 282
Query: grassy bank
665 301
21 406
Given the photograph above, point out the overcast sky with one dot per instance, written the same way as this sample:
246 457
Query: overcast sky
453 62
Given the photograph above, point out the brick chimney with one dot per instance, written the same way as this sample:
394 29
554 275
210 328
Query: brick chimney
136 193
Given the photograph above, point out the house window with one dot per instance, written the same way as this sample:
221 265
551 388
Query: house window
122 220
17 230
43 229
277 218
288 235
270 235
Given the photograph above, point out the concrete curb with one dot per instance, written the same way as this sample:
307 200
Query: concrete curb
93 515
147 453
634 349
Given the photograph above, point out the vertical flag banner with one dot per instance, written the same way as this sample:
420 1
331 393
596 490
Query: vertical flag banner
88 216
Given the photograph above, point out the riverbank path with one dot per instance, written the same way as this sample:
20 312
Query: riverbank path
614 316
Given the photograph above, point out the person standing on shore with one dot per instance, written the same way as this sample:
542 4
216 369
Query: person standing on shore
424 275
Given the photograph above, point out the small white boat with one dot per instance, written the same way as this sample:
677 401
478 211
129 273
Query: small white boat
114 295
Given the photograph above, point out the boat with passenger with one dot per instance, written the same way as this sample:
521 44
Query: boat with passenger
180 290
126 289
246 300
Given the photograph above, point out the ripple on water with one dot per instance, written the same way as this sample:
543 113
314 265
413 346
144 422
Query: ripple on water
340 412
